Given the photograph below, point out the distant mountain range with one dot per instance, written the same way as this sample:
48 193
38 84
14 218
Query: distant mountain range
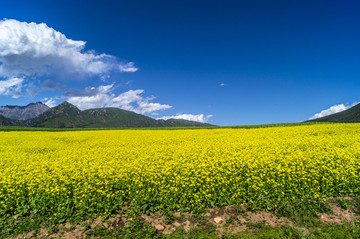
23 112
351 115
67 115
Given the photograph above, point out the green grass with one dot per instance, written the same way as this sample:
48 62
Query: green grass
344 203
304 215
271 233
139 229
98 231
11 226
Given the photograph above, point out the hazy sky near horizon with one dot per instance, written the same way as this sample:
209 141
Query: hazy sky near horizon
224 62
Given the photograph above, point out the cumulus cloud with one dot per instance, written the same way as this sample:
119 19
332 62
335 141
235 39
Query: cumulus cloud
199 118
145 107
90 97
126 99
11 86
332 110
36 49
32 50
103 96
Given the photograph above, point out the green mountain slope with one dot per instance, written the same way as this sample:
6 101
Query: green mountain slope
182 123
64 110
67 115
351 115
8 122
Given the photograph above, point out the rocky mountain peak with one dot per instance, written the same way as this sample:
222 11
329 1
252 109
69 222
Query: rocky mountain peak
23 112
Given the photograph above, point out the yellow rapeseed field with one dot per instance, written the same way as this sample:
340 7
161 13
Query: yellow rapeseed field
67 173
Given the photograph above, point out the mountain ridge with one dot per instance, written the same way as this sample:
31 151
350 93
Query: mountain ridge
351 115
67 115
23 112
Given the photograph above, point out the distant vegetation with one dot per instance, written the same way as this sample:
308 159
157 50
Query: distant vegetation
19 128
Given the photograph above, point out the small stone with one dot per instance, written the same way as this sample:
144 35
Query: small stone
176 224
159 227
30 234
186 226
218 220
67 225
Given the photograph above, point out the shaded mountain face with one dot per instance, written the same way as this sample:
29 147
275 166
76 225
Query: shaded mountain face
67 115
182 123
64 110
8 122
23 112
351 115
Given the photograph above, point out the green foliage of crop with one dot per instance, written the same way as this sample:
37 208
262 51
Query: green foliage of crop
70 175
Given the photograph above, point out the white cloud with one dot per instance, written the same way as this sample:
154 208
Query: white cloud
128 67
332 110
11 86
104 77
199 118
103 96
222 84
91 97
50 102
145 107
142 105
125 99
31 49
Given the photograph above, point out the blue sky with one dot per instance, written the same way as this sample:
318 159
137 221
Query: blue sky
225 62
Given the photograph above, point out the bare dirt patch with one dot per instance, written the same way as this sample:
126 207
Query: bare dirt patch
340 215
235 219
159 221
230 219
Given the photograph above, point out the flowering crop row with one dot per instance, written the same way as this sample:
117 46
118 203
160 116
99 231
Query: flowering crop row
77 173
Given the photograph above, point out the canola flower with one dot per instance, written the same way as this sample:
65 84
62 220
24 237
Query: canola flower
77 173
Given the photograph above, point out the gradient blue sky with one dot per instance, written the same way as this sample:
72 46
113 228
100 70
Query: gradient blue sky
243 62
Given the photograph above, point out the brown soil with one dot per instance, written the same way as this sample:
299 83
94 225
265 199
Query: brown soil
232 219
340 216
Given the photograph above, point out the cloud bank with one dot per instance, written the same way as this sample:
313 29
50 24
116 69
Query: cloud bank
36 49
199 118
102 96
332 110
30 50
